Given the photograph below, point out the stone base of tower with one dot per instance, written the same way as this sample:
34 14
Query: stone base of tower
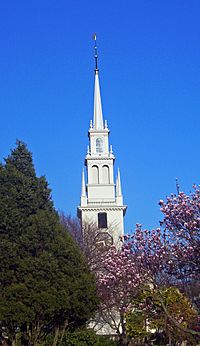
105 218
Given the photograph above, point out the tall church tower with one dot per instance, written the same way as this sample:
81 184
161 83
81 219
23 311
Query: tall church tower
101 198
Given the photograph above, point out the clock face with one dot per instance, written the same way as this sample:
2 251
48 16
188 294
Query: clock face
104 239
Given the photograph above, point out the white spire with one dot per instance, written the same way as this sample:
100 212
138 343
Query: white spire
118 185
83 193
98 116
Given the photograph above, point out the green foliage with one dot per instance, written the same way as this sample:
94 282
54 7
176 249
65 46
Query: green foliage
147 313
136 324
21 160
86 337
44 277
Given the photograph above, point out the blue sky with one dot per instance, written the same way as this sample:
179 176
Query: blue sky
149 60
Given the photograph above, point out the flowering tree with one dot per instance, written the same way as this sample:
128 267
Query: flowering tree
152 253
158 258
182 223
118 282
145 260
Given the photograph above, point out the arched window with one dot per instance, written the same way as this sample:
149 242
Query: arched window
95 175
99 145
105 175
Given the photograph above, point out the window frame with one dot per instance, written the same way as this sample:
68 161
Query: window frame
99 145
102 220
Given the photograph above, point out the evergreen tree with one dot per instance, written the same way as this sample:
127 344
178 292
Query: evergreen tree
45 282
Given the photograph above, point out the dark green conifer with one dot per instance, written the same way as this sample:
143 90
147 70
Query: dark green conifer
45 282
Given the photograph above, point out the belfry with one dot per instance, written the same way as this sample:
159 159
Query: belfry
101 197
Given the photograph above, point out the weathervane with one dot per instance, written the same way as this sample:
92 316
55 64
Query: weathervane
95 52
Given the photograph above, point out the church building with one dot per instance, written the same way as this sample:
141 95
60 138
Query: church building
101 197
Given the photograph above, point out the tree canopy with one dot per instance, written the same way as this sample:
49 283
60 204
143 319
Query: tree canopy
45 281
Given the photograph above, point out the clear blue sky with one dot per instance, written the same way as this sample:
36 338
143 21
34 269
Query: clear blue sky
149 59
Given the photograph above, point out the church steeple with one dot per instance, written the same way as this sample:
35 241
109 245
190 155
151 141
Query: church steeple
98 116
101 200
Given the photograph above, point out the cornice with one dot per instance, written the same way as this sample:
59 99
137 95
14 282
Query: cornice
98 158
100 184
94 131
103 208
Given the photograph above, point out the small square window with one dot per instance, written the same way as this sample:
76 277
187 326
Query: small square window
102 220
